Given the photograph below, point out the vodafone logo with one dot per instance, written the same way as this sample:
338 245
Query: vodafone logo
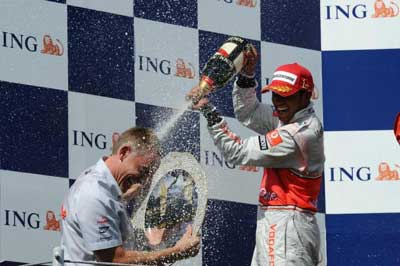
274 138
274 135
271 244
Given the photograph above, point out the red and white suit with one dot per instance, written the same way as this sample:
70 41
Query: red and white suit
293 159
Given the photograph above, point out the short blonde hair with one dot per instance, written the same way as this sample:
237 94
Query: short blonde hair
141 140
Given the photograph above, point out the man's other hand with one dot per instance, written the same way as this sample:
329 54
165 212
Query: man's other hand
188 245
250 59
132 192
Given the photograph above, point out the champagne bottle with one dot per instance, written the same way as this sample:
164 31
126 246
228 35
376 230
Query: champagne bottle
222 66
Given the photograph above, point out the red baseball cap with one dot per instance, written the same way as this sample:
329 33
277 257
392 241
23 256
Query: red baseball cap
289 79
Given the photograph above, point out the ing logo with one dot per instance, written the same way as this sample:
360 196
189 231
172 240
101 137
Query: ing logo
215 159
245 3
248 168
52 224
385 173
165 66
183 70
380 9
52 48
30 43
383 11
248 3
31 220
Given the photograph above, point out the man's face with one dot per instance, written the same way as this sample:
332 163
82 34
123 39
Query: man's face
286 107
137 169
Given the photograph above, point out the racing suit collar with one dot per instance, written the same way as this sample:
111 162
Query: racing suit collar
111 183
305 112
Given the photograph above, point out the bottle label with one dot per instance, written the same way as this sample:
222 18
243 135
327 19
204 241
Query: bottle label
222 52
226 61
230 51
238 62
237 40
224 64
226 49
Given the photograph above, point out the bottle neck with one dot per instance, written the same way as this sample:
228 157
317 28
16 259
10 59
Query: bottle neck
205 85
204 88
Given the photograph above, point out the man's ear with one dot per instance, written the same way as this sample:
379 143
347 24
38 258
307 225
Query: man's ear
306 97
124 151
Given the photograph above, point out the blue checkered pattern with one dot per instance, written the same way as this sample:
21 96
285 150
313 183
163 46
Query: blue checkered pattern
120 67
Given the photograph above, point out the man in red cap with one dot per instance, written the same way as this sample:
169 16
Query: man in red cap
289 147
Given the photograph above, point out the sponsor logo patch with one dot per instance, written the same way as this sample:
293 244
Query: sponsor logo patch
104 233
103 229
102 220
268 195
271 244
274 138
263 143
285 76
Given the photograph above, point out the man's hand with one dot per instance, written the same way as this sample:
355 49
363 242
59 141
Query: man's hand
132 192
250 59
192 94
188 245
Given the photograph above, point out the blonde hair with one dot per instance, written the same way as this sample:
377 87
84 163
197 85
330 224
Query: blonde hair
140 139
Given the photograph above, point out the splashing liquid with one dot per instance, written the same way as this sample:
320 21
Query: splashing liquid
163 129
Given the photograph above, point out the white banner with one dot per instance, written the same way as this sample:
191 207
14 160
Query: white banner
361 24
33 43
362 172
92 121
166 63
231 17
30 215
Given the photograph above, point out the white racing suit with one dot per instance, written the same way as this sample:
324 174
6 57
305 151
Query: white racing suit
293 159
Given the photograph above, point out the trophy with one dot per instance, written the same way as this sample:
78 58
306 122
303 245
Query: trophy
176 199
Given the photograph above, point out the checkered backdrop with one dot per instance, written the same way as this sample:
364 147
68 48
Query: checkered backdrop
72 72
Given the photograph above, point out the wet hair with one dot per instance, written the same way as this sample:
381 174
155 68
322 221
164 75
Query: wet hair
142 140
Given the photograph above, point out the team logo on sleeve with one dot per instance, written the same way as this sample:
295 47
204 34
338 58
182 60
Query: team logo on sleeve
263 143
102 220
103 225
274 138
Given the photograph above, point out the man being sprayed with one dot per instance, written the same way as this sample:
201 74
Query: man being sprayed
289 147
94 219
